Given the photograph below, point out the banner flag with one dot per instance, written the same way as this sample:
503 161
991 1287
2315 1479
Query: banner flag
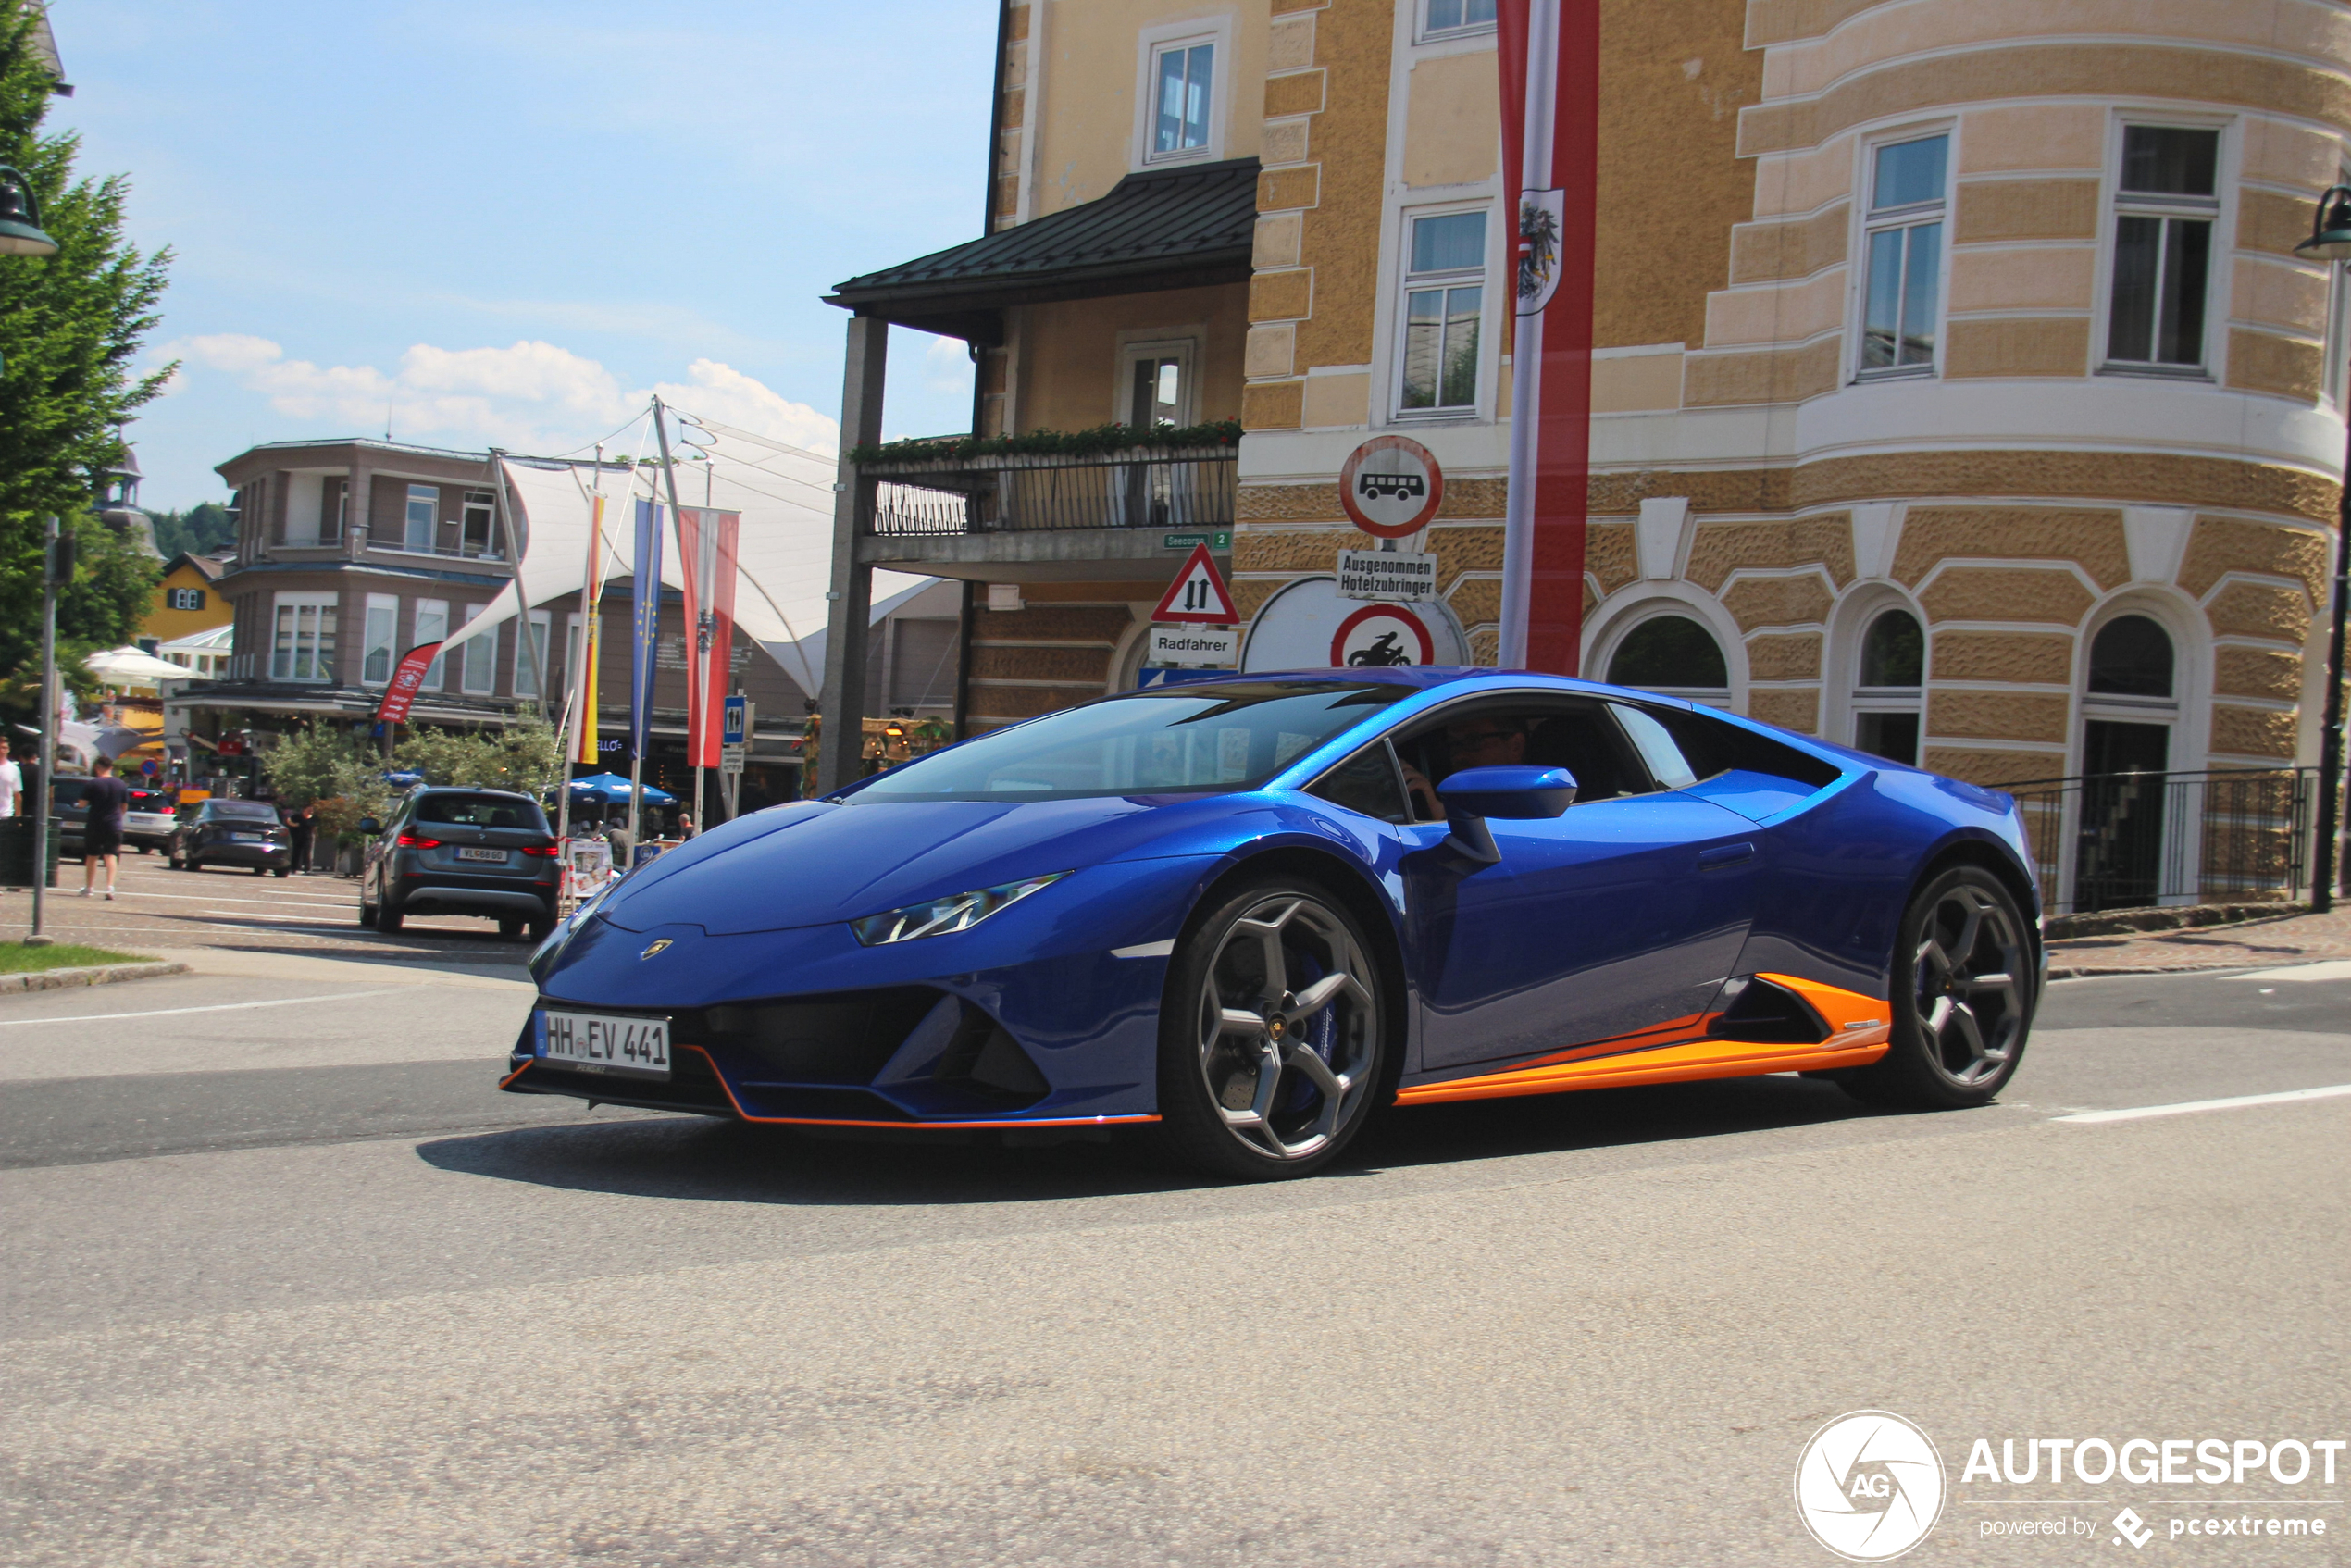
707 545
401 694
646 642
591 634
1548 55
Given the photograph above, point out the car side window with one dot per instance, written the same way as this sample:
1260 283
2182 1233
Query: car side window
1367 782
1713 746
1574 733
1666 764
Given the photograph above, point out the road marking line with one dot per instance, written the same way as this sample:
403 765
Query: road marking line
216 1007
2328 969
2140 1113
329 899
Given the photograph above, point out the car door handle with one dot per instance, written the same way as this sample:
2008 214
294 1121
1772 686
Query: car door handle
1714 859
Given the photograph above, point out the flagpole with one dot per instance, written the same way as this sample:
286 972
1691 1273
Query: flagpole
572 716
698 652
1526 341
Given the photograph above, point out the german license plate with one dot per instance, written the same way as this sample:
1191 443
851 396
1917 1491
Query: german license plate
247 838
600 1042
495 857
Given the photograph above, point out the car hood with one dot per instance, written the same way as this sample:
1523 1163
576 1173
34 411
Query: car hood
817 861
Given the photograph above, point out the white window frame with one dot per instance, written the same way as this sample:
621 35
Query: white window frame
1860 699
541 624
416 496
423 610
282 668
1185 350
477 658
1152 42
184 599
485 503
1427 32
2218 210
379 633
1869 223
1409 281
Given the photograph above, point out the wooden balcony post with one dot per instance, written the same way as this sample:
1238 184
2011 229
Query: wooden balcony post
849 602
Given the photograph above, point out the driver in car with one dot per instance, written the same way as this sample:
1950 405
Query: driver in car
1488 741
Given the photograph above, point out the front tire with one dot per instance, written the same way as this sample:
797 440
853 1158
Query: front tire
1273 1037
1962 998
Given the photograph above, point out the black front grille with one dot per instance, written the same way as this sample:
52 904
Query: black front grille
844 1039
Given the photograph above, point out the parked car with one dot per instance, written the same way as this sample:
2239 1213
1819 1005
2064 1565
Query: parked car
453 850
229 832
148 818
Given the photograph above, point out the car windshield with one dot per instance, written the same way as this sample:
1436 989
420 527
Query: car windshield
480 811
241 811
1202 739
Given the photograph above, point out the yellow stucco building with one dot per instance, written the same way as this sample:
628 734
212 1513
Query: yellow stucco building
185 601
1957 393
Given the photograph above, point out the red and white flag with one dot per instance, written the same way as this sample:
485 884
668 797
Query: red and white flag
706 541
401 694
1549 58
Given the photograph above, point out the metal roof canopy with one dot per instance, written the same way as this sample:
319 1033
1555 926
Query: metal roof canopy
1180 228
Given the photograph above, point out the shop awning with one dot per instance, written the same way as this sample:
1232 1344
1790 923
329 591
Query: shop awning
1180 228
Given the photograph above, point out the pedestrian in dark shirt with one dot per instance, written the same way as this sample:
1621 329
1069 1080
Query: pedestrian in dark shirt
299 825
102 836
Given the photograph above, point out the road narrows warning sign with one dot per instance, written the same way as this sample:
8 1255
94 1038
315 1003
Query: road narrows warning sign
1198 596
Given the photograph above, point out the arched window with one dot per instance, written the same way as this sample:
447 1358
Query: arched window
2131 657
1671 654
1886 695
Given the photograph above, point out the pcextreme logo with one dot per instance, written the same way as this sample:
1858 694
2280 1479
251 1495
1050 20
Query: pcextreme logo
1869 1486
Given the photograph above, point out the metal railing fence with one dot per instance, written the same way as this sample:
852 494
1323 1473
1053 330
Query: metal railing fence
2134 841
1143 488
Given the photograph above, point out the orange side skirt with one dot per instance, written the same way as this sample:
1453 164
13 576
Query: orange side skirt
1858 1032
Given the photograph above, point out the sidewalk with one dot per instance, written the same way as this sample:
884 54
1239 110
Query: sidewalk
2299 939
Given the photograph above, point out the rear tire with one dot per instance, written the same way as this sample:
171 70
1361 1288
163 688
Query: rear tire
389 920
1273 1038
510 926
541 928
284 873
1962 999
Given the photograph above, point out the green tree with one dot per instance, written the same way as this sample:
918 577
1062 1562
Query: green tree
525 755
70 325
199 530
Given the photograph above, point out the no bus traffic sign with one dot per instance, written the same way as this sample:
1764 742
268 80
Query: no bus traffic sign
1391 487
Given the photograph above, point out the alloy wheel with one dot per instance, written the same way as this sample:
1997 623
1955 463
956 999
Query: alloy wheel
1289 1026
1969 975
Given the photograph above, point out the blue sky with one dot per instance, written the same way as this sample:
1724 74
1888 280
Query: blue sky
509 220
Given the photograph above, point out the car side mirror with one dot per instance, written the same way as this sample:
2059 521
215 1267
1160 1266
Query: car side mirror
371 826
1515 793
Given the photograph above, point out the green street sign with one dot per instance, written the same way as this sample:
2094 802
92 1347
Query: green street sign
1220 539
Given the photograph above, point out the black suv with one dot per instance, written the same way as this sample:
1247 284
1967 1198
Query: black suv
455 851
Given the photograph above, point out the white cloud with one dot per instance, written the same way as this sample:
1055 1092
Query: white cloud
724 393
531 396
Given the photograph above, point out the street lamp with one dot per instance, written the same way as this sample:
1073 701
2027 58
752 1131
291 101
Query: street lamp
20 230
2330 242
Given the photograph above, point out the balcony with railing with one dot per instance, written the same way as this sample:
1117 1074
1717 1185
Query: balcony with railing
2135 840
1141 487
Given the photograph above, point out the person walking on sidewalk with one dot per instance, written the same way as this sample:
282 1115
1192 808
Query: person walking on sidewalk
102 837
300 827
11 780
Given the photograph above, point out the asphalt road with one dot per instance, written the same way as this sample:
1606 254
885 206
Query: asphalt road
288 1283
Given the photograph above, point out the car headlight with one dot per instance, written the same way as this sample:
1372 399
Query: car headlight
958 911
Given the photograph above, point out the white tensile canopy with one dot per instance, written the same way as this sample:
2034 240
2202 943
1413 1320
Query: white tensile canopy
785 552
133 667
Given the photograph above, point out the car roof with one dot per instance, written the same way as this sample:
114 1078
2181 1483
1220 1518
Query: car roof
423 790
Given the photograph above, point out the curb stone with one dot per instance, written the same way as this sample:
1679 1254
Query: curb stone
89 974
